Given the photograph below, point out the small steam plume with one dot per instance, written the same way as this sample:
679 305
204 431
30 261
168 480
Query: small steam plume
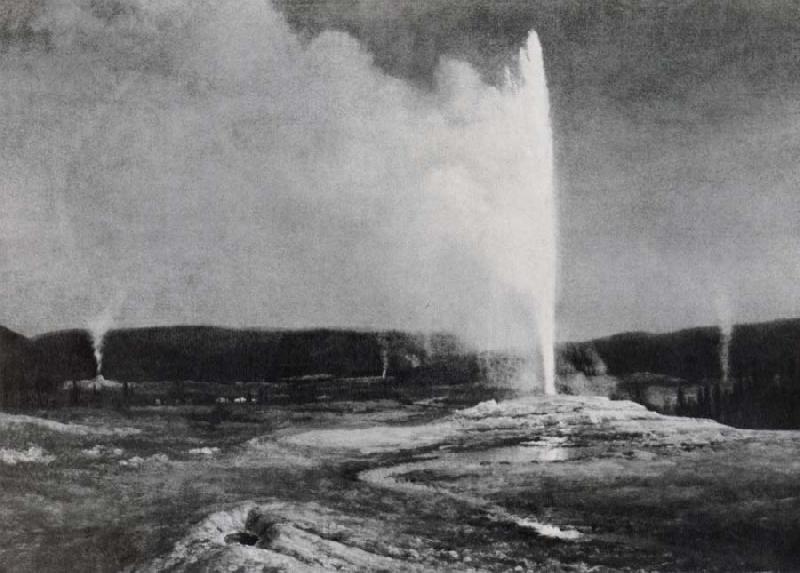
384 343
722 305
99 326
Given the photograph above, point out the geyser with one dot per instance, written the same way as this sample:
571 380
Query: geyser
97 330
99 326
725 318
726 332
530 225
355 199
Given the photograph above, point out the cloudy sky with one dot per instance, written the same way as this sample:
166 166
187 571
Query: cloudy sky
300 164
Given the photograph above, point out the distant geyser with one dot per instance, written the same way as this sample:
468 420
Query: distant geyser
99 326
725 318
724 353
97 331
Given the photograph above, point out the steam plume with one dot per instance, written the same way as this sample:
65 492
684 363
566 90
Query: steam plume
233 174
99 327
722 304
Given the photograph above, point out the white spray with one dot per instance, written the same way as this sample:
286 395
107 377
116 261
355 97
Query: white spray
465 175
531 250
99 327
384 344
725 319
385 359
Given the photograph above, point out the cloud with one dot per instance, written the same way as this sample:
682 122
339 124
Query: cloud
219 169
675 130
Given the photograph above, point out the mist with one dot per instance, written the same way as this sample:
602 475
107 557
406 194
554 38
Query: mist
248 178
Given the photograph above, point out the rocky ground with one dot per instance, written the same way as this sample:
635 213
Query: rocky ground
558 484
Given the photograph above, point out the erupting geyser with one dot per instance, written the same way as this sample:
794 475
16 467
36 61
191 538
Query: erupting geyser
97 330
98 327
530 224
724 351
725 318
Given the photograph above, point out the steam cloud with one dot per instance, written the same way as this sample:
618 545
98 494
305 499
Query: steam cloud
227 172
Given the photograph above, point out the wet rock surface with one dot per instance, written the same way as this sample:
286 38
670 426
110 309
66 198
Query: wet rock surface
557 484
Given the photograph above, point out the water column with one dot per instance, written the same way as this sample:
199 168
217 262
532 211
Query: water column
532 220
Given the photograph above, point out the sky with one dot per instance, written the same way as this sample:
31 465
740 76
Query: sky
305 163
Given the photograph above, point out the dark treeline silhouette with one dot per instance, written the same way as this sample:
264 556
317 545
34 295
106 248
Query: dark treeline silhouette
761 350
61 356
14 368
690 354
748 403
191 353
33 370
763 389
202 353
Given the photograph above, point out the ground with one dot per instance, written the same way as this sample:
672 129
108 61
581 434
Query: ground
557 484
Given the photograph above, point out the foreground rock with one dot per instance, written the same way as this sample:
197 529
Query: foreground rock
286 536
557 484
